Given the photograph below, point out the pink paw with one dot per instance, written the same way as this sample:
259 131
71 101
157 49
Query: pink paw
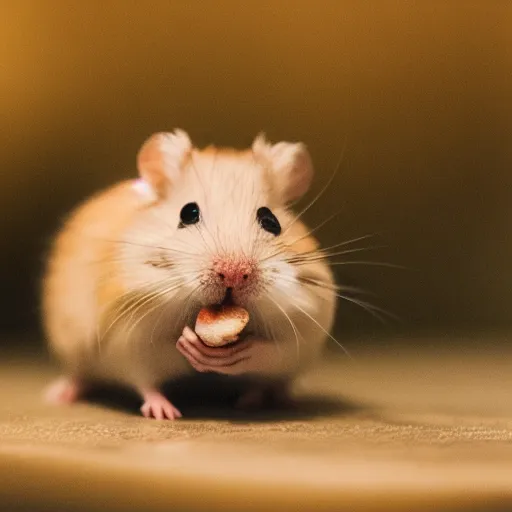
63 391
158 407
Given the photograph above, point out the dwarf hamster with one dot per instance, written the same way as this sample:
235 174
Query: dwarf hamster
131 267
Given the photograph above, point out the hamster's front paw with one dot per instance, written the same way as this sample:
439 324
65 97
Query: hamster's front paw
253 355
207 359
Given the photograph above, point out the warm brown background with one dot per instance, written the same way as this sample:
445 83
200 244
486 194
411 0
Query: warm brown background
423 90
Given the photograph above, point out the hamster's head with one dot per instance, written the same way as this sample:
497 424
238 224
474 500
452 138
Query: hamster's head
215 225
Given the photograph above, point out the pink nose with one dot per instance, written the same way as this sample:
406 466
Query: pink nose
232 273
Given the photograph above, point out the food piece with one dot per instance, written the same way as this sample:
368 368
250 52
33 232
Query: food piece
221 325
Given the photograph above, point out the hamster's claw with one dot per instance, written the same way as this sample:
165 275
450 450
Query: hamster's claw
158 407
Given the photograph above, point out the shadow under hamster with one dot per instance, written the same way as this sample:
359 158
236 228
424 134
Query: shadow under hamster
209 396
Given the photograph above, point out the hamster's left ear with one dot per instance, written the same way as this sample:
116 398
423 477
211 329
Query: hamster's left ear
290 165
161 159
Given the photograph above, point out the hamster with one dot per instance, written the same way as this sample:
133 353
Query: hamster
133 265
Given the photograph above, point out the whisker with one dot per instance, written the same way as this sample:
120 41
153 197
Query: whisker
162 262
153 294
157 321
216 241
123 300
148 312
370 308
324 330
334 288
207 247
323 190
352 241
365 305
316 228
283 248
149 301
314 282
148 246
151 310
322 255
356 249
206 196
148 298
290 321
369 263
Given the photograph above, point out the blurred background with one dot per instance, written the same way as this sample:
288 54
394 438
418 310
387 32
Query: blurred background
421 92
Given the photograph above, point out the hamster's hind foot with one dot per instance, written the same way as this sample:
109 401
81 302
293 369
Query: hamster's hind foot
158 407
64 390
259 396
252 399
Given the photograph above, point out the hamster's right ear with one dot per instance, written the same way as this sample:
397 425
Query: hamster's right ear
161 159
290 163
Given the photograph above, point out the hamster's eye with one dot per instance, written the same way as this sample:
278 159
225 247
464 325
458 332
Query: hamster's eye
268 221
189 214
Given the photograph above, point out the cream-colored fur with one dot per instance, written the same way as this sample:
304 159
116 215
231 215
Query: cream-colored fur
124 244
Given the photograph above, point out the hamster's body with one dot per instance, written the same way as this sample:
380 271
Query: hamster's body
133 265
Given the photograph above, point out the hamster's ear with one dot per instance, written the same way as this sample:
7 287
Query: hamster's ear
161 158
290 165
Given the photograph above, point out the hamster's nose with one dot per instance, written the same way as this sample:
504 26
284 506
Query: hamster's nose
233 273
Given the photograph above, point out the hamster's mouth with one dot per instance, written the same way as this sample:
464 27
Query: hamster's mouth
231 298
228 298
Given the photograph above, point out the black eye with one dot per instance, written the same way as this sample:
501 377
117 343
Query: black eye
268 221
189 214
